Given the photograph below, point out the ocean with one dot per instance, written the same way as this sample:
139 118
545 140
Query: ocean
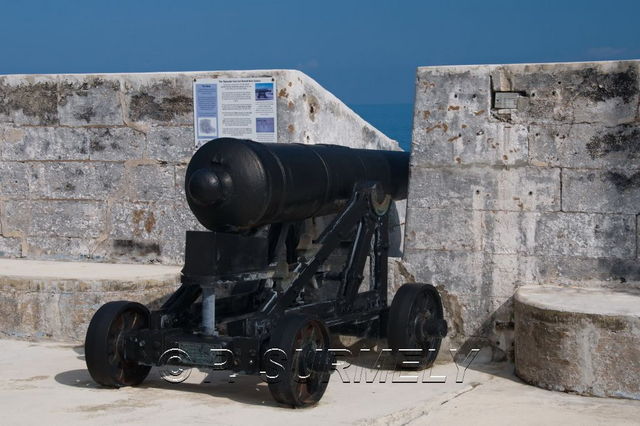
394 120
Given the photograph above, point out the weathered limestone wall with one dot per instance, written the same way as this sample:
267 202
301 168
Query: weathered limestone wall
92 166
547 192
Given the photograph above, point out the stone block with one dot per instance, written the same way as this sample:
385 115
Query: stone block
159 99
504 273
61 248
609 272
610 191
454 270
585 146
76 180
151 231
491 144
48 143
559 234
482 143
10 247
31 100
172 144
150 182
444 229
174 220
588 235
89 100
483 275
427 150
67 218
14 180
134 221
446 92
16 217
62 143
486 188
9 134
510 232
447 103
115 144
604 93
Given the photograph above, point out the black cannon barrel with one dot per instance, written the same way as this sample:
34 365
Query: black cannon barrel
243 184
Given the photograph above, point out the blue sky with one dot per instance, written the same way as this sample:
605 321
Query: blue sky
365 52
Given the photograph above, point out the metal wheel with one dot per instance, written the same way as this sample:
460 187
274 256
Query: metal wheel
103 345
416 321
300 345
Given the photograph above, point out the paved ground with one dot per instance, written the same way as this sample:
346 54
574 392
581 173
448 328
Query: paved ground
47 382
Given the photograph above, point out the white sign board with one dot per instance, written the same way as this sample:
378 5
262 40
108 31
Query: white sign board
242 108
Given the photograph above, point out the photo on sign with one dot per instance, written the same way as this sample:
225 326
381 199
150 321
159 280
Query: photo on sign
264 91
265 125
207 127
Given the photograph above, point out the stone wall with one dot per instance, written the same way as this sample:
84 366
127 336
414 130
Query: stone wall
92 166
544 192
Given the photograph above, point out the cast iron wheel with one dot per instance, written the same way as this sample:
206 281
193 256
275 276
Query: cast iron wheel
416 321
103 347
306 371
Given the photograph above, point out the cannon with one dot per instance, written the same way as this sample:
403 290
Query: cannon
291 229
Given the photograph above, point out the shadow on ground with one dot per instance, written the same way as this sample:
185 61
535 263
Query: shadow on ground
244 389
250 389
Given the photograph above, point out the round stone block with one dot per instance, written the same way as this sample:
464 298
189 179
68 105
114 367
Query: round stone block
56 300
579 340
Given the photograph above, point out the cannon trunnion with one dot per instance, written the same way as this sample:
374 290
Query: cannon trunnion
264 287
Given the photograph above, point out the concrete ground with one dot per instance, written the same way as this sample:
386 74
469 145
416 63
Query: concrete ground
48 382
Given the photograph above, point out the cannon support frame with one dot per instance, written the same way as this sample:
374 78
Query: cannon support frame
173 326
257 285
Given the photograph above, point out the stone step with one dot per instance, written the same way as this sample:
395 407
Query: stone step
56 300
579 340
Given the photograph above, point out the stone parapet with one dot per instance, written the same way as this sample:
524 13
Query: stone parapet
56 300
585 341
92 166
544 190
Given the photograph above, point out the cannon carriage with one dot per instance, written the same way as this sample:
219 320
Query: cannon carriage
263 289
